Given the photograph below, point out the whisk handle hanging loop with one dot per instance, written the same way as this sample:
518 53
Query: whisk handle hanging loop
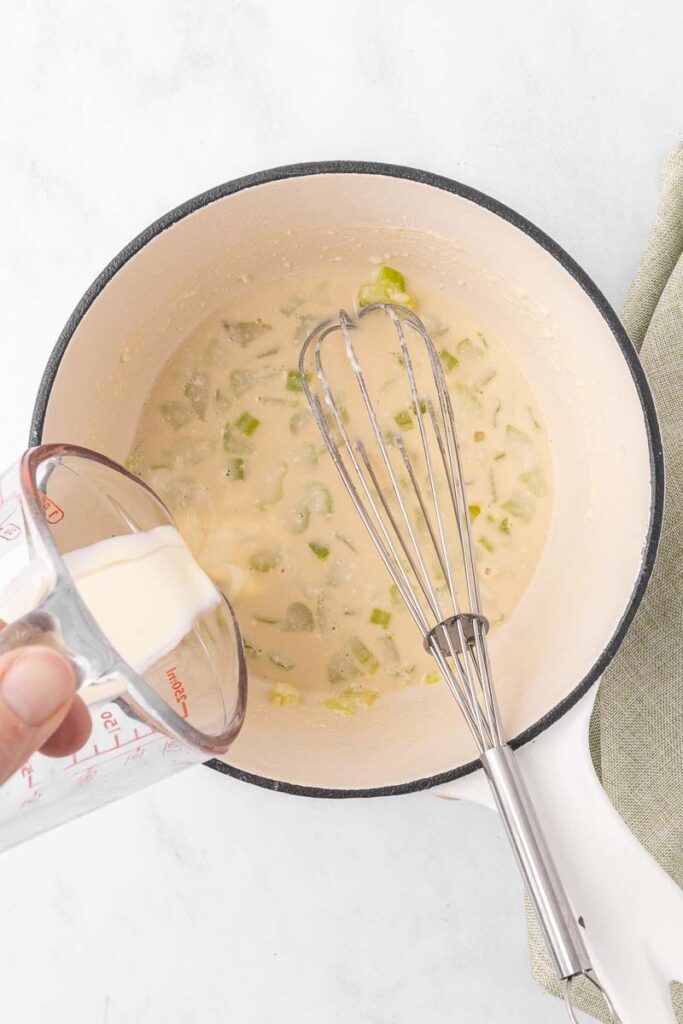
555 916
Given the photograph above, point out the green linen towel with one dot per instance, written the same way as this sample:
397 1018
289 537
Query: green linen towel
637 725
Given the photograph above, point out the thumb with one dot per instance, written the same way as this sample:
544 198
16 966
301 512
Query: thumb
37 686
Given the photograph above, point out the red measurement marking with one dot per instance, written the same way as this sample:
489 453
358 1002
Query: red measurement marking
77 759
33 799
53 513
109 722
178 687
9 531
27 773
86 777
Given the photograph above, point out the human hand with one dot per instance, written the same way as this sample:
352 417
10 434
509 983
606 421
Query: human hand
39 709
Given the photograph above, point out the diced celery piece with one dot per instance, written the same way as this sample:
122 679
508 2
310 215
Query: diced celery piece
486 544
298 518
264 561
321 551
404 420
496 412
396 598
423 407
244 332
474 511
235 470
247 423
341 666
448 360
197 390
522 445
521 505
270 491
285 663
359 695
388 275
250 648
534 422
293 381
307 456
389 286
343 706
469 349
380 618
479 436
298 421
190 449
504 525
387 650
266 620
318 498
298 618
285 695
364 655
179 493
305 322
469 396
132 462
431 678
268 352
500 455
534 479
176 414
241 381
235 442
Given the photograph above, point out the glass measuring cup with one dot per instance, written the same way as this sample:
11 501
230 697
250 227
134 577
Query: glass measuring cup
91 563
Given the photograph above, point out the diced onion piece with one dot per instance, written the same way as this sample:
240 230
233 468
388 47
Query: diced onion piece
285 695
264 561
298 618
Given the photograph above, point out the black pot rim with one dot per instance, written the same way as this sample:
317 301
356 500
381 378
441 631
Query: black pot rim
572 268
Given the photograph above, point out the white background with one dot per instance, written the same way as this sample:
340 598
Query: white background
205 900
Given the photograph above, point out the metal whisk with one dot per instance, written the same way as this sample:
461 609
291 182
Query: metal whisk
414 506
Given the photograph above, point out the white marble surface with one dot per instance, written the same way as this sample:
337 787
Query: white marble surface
203 899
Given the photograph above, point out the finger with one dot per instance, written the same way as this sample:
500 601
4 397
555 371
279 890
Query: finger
37 685
72 733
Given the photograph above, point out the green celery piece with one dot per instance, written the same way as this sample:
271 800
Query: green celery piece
298 518
387 275
388 650
235 442
423 407
432 677
132 462
380 618
176 414
534 479
468 349
341 667
504 525
448 360
404 420
281 662
264 561
474 511
364 655
298 618
244 332
359 695
321 551
235 470
318 498
249 647
268 352
396 598
247 423
241 381
340 705
486 544
197 390
293 381
521 505
285 695
298 421
479 436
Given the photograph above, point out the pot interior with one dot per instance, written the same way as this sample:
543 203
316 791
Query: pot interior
518 292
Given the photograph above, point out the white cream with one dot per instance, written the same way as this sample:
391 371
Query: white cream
145 591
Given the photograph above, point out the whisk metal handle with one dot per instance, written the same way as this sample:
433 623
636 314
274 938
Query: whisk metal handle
555 916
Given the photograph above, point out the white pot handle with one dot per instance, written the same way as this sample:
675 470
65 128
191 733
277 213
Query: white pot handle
632 910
